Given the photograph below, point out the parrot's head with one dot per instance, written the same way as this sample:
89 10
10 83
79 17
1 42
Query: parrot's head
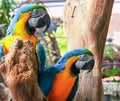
29 17
78 59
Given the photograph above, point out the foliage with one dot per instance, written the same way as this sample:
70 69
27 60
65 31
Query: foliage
6 6
55 45
110 50
112 72
61 39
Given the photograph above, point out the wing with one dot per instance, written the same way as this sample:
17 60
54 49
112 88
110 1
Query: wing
46 75
41 57
46 79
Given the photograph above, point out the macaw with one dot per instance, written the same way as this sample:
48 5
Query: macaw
23 24
60 81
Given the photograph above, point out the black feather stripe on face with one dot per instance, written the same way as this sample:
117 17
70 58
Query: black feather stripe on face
30 30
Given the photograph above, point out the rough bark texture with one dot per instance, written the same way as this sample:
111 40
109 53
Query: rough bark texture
5 94
1 79
86 23
19 70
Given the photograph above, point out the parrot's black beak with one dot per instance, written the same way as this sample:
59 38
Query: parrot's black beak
45 21
88 66
85 62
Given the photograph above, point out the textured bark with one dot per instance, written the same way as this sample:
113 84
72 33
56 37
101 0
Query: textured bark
5 94
1 79
19 70
86 23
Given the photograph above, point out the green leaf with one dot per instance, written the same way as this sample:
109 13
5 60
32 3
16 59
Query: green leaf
6 6
110 50
112 72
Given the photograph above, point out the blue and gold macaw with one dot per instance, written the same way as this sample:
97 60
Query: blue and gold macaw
58 82
23 25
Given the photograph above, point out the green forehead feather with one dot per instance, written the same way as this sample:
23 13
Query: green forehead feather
88 52
38 6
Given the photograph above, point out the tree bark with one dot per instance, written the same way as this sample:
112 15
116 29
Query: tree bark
5 94
86 23
19 69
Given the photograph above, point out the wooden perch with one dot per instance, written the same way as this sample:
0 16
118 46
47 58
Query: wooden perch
19 69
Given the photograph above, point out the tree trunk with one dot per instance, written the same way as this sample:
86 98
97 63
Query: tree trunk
19 69
86 23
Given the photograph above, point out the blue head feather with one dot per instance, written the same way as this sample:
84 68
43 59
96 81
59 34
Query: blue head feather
60 65
17 14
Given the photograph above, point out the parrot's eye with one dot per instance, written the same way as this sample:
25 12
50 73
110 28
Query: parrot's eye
38 13
36 10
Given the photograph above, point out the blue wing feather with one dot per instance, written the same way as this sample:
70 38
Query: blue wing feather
46 79
41 57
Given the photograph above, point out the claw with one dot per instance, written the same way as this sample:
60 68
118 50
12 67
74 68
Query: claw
85 62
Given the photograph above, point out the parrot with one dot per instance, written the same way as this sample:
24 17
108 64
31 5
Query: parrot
23 24
60 81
